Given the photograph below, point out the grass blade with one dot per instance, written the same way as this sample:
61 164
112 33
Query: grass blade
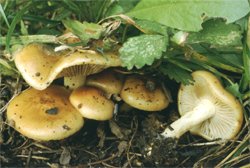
16 19
4 16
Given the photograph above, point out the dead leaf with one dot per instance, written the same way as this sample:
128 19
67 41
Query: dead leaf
65 157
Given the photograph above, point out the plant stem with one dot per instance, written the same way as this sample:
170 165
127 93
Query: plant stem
30 39
193 54
200 113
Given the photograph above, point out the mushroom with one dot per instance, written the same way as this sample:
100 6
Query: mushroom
108 81
207 109
92 103
144 94
39 66
44 115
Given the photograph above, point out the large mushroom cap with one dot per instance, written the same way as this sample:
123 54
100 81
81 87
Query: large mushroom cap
228 117
92 103
138 95
40 66
44 115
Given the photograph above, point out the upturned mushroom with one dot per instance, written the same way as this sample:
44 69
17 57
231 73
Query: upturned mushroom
144 94
39 66
92 103
108 81
44 115
206 109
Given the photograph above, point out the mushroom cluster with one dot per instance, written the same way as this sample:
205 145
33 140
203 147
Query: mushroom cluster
45 112
50 112
55 109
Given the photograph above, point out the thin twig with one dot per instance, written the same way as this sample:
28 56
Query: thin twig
101 161
33 157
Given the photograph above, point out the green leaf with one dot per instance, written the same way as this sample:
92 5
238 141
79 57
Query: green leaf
235 90
217 33
121 6
85 31
151 27
176 73
6 69
189 14
142 50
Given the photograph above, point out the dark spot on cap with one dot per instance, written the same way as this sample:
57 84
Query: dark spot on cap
37 73
16 105
126 89
52 111
79 106
66 127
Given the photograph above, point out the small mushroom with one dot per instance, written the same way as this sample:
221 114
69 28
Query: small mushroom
108 81
144 94
92 103
44 115
39 66
207 109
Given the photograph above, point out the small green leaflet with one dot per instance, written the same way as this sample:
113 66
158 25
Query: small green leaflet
176 73
235 90
188 15
151 27
142 50
217 33
6 69
85 31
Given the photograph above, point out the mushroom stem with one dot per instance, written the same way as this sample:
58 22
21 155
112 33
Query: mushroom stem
200 113
74 82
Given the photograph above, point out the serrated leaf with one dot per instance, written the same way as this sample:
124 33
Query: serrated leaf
142 50
151 27
217 33
85 31
176 73
188 15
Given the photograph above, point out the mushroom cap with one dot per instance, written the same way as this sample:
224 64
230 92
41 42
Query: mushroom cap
136 94
39 66
44 115
228 118
92 103
108 81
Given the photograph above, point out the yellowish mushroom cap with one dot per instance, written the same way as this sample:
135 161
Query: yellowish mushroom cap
44 115
92 103
136 94
108 80
227 119
39 66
